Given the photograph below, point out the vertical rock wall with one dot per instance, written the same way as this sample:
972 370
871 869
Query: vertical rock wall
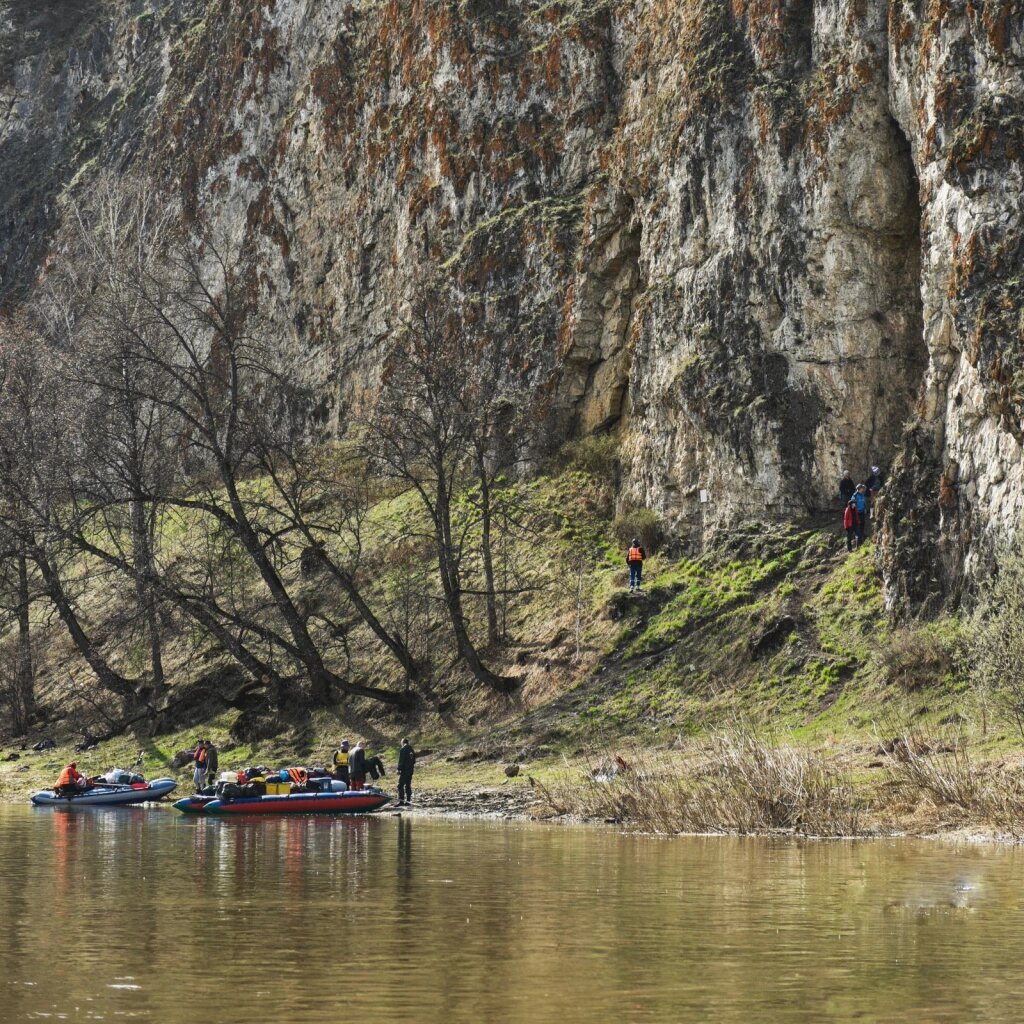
760 240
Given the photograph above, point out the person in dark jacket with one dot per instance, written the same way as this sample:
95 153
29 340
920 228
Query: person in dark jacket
846 487
874 484
357 766
406 766
212 763
635 560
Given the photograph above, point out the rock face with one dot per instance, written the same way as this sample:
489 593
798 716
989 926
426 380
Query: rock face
761 240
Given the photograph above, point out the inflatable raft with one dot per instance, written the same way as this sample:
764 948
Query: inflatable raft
107 796
353 802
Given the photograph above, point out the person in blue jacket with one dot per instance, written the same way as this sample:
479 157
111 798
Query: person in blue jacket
860 504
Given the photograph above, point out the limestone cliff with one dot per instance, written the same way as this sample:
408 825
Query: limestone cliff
762 240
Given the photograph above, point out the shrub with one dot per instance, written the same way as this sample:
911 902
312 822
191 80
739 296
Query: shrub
737 783
918 656
644 523
996 647
596 455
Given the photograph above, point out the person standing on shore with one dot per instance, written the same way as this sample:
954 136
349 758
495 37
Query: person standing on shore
199 769
212 763
341 759
406 766
357 766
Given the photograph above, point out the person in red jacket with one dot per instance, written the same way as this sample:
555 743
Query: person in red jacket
71 781
635 560
850 524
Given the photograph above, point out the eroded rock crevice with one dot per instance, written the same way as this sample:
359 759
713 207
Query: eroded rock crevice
597 359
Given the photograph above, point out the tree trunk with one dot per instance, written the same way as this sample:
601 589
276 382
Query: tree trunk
108 678
24 676
451 584
486 513
142 555
413 670
321 679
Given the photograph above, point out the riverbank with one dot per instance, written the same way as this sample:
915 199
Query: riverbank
737 782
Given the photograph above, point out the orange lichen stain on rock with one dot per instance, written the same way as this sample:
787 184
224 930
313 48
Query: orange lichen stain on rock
947 489
553 65
438 22
995 17
901 28
962 263
565 335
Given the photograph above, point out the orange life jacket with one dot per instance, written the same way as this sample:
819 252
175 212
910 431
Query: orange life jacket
200 755
68 777
298 776
635 555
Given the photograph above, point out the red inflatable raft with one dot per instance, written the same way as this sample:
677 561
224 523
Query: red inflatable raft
352 802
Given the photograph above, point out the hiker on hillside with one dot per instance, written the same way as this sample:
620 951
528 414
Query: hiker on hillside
406 766
212 763
357 766
861 502
874 484
850 524
635 560
71 781
341 759
846 487
199 769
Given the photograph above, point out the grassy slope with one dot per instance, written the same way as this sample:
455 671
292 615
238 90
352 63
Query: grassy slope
778 625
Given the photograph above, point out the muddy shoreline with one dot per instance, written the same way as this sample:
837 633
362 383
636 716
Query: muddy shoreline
523 804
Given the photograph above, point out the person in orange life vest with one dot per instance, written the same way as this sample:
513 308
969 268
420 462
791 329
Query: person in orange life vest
71 781
199 772
635 560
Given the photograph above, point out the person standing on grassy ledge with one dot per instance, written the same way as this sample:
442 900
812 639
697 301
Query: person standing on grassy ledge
850 524
635 560
406 766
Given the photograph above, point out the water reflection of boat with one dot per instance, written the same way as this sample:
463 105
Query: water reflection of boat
352 802
107 796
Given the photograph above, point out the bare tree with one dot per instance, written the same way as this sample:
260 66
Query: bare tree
435 400
34 451
193 378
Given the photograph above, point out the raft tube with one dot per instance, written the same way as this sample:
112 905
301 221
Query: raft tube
357 802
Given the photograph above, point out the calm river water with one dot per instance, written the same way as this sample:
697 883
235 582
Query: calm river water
141 914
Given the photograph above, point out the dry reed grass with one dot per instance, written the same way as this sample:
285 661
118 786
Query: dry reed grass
947 776
735 783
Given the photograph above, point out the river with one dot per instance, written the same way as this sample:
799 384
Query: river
138 914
